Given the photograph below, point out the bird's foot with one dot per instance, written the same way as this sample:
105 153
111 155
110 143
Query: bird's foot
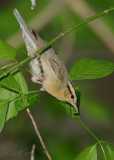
35 80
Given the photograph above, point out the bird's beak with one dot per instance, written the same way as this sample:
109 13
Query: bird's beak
75 107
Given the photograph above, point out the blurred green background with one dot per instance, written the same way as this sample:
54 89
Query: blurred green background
64 137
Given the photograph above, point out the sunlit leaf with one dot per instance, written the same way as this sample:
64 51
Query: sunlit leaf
6 51
3 112
89 153
24 102
91 69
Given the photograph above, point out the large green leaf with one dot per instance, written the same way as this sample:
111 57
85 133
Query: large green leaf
3 112
89 153
9 81
91 69
24 102
12 112
6 51
12 96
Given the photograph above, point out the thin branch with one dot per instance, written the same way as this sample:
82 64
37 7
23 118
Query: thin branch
60 36
32 152
38 134
102 30
95 137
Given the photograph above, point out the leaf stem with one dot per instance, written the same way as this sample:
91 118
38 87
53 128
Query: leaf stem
8 65
95 137
89 130
60 36
30 92
102 149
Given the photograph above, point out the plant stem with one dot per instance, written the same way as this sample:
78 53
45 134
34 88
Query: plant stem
60 36
89 130
94 137
31 92
74 27
38 134
32 152
8 65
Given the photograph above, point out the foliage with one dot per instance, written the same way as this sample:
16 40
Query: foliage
15 95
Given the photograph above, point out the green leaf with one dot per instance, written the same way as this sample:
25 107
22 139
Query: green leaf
110 150
78 96
24 102
12 112
89 153
91 69
70 109
10 95
3 112
6 51
9 81
21 82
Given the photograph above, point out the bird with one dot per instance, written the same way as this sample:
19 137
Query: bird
47 68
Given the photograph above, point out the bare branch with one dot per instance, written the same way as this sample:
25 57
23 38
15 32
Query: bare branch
38 134
32 152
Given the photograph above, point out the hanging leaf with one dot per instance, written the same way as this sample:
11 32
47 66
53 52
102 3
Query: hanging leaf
89 153
3 112
6 51
24 102
91 69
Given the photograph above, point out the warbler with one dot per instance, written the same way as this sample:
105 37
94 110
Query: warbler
55 78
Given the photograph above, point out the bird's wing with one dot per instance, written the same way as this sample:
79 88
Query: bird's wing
59 69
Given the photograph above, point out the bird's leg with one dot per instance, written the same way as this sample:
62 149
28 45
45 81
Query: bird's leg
35 80
42 89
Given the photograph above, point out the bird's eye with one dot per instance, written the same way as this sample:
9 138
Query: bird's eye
72 96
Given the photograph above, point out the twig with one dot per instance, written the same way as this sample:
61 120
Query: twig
95 137
59 37
32 152
101 29
38 134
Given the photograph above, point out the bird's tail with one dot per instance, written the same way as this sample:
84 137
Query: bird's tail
32 40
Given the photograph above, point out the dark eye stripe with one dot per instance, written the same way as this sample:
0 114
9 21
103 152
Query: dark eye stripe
73 86
69 89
